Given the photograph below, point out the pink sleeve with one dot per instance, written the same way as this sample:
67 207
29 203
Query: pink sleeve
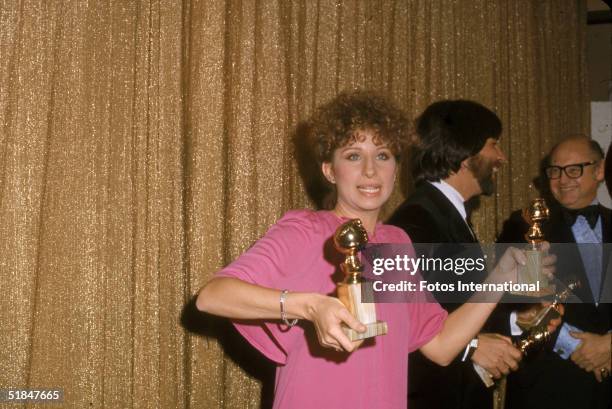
426 320
272 262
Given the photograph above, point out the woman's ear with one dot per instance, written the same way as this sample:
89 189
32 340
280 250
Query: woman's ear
328 172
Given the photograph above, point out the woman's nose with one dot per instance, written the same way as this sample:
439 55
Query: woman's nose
369 167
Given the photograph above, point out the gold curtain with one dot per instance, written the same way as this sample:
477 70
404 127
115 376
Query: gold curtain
144 144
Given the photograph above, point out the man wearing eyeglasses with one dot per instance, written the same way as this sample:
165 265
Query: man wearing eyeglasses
572 371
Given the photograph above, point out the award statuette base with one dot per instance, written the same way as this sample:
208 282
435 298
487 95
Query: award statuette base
531 273
484 375
350 295
372 329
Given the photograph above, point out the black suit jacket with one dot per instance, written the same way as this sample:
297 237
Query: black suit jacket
429 217
544 380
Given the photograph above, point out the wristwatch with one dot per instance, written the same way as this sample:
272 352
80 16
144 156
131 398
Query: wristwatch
470 349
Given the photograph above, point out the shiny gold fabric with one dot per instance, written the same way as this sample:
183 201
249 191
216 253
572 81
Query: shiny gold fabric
144 144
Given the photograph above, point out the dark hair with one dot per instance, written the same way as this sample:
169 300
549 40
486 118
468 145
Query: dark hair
450 132
333 125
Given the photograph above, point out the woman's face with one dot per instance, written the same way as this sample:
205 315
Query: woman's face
364 174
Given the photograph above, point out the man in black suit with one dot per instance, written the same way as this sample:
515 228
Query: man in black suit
556 377
456 160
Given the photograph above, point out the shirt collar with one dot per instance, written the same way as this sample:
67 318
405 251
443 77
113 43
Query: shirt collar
452 195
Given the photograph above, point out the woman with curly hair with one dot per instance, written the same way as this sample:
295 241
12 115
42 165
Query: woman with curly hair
356 141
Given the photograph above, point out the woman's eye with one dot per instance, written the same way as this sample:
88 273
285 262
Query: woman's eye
352 156
383 156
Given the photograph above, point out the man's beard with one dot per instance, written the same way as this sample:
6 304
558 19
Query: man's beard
482 169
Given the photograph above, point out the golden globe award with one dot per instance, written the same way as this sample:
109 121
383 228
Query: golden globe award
531 273
349 238
535 334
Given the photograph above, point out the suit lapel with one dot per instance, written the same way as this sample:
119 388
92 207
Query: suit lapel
606 233
448 216
606 226
561 232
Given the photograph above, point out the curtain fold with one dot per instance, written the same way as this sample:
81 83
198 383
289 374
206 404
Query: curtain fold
145 144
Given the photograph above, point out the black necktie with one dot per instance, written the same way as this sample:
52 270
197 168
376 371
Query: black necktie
590 213
471 229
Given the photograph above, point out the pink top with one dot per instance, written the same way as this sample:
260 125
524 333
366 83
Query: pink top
297 254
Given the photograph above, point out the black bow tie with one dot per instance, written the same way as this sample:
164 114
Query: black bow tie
590 213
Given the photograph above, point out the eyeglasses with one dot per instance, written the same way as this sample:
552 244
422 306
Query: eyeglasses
573 171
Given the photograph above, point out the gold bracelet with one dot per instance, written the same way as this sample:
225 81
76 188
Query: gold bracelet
283 314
